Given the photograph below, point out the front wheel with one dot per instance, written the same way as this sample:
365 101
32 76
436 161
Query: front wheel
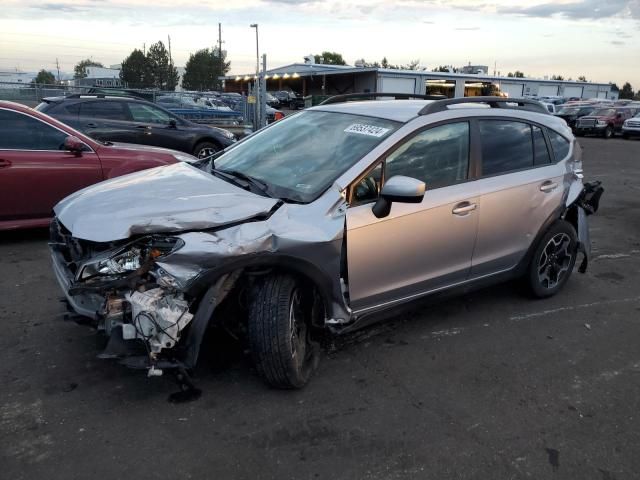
608 132
205 149
553 260
280 332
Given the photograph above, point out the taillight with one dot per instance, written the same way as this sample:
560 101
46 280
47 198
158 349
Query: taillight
278 116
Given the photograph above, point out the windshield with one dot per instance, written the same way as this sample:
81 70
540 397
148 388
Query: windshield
604 112
300 156
568 110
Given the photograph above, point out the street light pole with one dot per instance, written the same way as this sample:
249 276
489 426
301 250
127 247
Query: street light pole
257 82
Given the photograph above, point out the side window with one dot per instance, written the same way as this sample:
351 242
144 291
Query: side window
108 110
559 144
368 188
506 146
148 114
438 156
540 150
22 132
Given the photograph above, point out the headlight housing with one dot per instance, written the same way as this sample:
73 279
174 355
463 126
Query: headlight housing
130 258
601 123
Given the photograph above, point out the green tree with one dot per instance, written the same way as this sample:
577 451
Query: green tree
79 71
135 70
557 77
627 91
582 78
516 74
44 77
162 73
441 68
330 58
203 69
412 65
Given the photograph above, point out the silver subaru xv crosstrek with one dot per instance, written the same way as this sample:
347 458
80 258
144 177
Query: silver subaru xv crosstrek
320 221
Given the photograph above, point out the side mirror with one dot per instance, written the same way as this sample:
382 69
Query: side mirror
73 144
173 123
398 189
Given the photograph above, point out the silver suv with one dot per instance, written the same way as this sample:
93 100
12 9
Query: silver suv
318 222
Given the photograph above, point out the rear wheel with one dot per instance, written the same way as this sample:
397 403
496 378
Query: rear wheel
608 132
553 260
205 149
280 332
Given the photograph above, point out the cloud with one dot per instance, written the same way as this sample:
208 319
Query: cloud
579 10
59 7
467 29
617 42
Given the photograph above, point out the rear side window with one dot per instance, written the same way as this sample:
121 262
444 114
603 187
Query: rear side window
540 151
148 114
506 146
107 110
559 144
438 156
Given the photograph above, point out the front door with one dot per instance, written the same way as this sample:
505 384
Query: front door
421 247
35 170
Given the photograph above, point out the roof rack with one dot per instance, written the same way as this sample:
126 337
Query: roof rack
493 102
373 95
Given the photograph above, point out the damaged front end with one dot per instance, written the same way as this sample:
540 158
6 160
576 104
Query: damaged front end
121 290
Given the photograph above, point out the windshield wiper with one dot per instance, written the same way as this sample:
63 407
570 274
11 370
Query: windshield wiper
259 184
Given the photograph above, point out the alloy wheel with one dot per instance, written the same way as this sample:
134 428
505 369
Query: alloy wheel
555 261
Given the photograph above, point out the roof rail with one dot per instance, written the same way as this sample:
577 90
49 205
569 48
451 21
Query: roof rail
373 95
493 102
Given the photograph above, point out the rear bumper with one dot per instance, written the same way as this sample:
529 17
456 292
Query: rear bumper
587 130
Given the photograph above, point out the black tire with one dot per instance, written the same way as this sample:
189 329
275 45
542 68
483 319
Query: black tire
553 260
279 330
608 132
205 149
579 133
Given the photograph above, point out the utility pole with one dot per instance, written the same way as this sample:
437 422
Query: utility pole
257 81
170 61
220 73
58 68
263 89
144 49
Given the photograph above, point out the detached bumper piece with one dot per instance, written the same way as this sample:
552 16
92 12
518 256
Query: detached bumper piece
586 204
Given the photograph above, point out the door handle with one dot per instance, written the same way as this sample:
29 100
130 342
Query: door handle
143 126
464 208
91 125
4 163
548 187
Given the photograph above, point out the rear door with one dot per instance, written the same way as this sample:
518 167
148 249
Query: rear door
107 120
156 127
520 187
35 170
420 247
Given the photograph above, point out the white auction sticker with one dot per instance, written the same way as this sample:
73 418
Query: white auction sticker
370 130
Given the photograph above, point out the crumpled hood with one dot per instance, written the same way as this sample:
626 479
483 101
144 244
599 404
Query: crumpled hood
164 199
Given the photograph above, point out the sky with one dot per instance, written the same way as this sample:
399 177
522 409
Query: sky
599 39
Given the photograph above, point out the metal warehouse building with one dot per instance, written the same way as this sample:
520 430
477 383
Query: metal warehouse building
319 79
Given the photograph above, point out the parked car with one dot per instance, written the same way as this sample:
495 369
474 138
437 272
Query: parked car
605 122
571 113
551 107
43 160
132 120
631 127
289 99
272 101
290 233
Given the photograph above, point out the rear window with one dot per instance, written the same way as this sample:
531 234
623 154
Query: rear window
506 146
559 144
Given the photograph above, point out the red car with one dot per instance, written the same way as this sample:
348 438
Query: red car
43 160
